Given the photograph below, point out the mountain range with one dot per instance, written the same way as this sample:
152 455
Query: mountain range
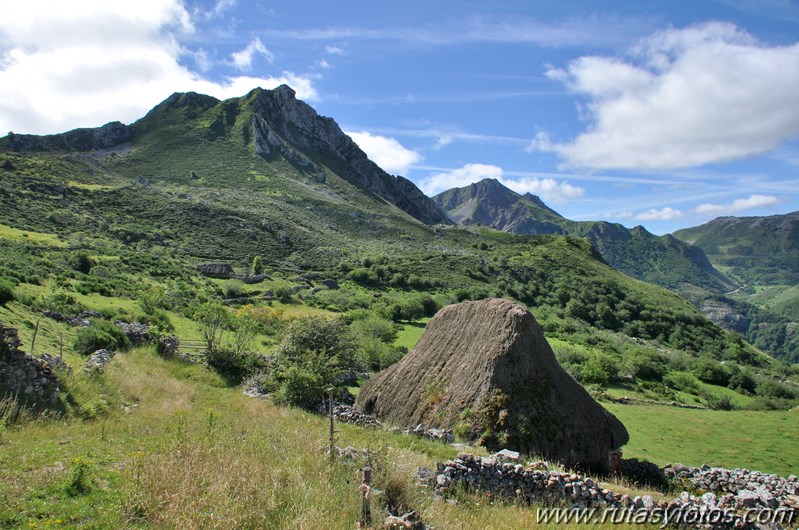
742 272
662 260
264 175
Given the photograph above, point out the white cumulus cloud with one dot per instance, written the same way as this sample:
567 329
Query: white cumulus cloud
666 214
243 59
386 152
549 189
738 205
64 65
682 98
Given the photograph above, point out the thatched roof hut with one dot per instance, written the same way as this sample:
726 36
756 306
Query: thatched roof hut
485 369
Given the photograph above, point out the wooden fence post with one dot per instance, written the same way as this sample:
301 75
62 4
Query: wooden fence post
35 332
366 508
332 431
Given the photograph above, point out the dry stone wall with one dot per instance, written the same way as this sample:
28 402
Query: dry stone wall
30 379
737 498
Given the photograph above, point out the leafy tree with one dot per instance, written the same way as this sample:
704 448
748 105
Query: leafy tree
257 266
212 320
81 262
314 355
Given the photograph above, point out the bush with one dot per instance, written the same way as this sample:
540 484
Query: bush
159 319
681 381
101 334
717 402
81 262
61 301
6 290
774 390
257 266
743 382
599 369
300 387
711 371
648 366
235 366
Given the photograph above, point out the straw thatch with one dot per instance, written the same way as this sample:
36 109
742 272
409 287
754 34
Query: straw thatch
485 369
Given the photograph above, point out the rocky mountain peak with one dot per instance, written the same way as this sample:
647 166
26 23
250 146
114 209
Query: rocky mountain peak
287 127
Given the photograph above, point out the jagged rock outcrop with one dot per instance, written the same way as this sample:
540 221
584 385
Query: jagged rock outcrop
216 270
86 139
285 126
725 315
485 369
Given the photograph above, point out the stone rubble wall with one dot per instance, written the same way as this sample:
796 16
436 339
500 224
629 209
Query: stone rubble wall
504 476
772 490
28 378
97 361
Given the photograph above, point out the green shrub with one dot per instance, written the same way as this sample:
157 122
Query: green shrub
373 326
80 480
257 266
711 371
81 262
742 381
101 334
775 390
717 402
6 290
599 369
681 381
235 366
300 387
61 301
159 319
647 365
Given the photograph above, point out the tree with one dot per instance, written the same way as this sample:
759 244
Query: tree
257 266
212 320
314 355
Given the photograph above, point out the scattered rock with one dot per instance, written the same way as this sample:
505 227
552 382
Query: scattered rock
331 284
97 360
138 334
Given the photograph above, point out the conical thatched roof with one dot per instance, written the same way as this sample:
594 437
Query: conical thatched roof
485 369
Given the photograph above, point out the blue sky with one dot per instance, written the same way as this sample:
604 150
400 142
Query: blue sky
662 113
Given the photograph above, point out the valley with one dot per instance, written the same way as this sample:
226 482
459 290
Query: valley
109 225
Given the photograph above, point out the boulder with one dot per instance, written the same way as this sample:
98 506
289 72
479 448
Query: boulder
216 270
486 369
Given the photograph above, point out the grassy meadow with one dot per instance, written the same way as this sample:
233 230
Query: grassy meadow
177 448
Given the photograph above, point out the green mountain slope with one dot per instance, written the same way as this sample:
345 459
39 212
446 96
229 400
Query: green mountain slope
199 180
757 250
662 260
762 253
